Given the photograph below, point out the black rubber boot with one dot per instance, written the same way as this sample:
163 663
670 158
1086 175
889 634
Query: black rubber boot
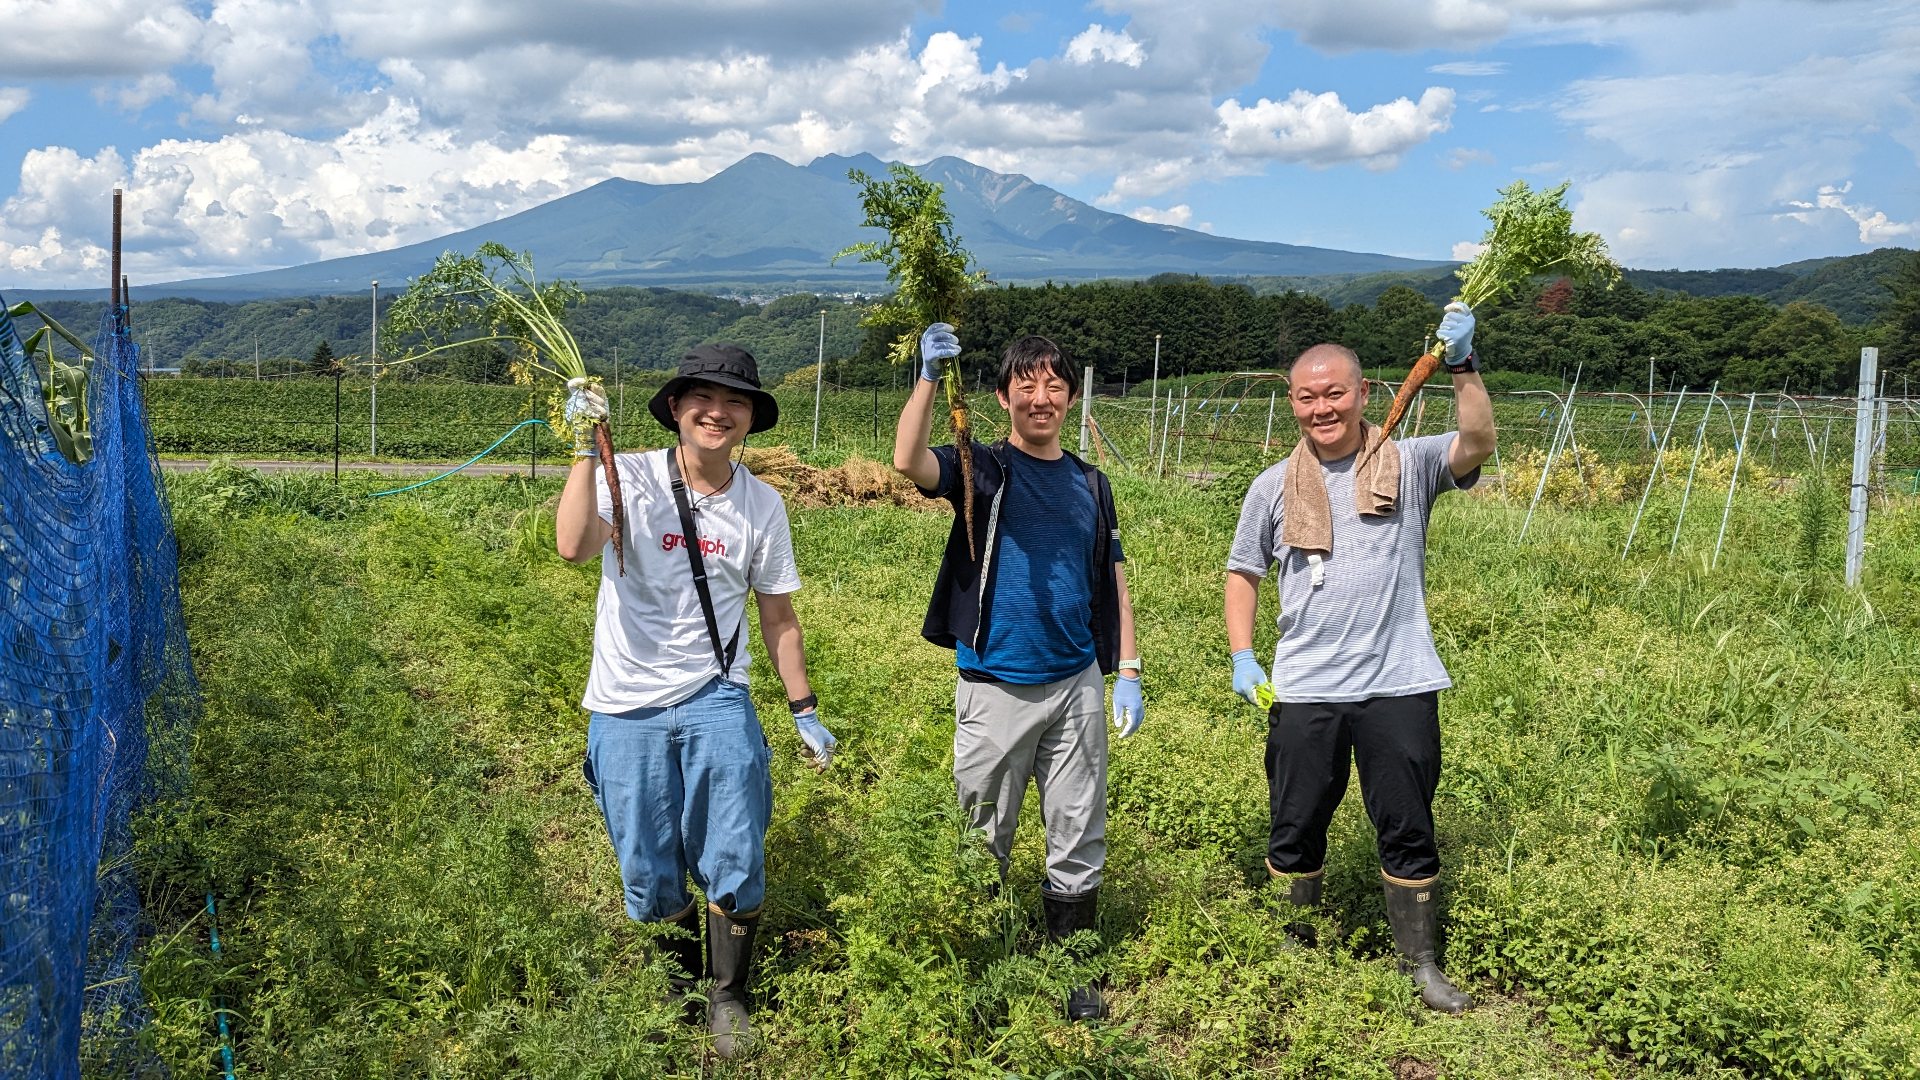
730 961
1303 892
1415 919
683 961
1068 914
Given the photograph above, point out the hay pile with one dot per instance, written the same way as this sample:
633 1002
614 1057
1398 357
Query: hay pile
857 481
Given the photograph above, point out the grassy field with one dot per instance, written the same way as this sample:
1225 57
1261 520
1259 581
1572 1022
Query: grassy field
1678 812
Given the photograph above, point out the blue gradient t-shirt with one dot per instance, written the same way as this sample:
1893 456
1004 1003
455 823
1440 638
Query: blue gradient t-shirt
1040 629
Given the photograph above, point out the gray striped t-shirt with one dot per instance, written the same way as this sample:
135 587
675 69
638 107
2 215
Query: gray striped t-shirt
1362 632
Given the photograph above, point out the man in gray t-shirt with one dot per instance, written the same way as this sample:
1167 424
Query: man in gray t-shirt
1355 676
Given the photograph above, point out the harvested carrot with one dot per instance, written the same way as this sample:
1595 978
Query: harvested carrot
931 275
1423 370
603 445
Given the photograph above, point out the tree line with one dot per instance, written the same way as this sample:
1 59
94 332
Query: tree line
1613 338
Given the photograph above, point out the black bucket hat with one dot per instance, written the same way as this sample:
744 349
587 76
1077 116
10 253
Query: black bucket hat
723 365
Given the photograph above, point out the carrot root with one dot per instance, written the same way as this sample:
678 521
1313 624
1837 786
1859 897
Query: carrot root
603 445
1423 370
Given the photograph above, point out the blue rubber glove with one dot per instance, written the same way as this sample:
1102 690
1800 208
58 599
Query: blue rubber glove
1129 707
936 344
817 743
1456 333
1248 676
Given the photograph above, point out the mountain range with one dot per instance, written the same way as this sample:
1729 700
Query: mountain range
763 224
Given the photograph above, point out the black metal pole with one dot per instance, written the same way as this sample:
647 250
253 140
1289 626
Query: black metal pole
533 457
876 412
336 422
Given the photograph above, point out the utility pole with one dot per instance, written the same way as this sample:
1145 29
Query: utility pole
373 362
256 358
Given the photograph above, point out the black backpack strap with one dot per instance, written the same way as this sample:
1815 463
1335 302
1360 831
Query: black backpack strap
690 539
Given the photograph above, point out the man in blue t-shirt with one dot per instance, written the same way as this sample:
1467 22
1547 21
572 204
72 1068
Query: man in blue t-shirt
1034 604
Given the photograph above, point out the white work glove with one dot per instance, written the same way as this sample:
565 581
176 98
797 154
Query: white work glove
585 407
817 743
1456 333
936 344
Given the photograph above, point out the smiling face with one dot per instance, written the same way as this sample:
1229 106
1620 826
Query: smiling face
1328 394
1037 403
712 417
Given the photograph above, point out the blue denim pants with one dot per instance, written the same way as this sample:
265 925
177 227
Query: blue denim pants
684 790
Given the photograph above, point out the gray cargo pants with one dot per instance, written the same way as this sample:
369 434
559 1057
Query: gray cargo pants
1055 733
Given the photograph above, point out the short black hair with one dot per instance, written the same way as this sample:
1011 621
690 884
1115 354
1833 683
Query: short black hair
1029 355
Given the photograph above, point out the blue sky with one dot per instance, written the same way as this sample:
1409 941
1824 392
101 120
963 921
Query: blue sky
252 134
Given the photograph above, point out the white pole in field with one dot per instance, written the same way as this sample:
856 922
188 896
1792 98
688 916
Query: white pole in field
1180 455
1154 397
1739 455
1686 492
373 392
1166 427
1086 408
1862 460
1272 397
1563 424
1659 458
819 374
619 393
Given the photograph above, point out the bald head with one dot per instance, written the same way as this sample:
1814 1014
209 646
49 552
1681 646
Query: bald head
1332 357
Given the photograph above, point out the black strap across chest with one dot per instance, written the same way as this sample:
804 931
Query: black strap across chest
690 539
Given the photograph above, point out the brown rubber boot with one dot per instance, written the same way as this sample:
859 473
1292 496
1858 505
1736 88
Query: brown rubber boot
1415 919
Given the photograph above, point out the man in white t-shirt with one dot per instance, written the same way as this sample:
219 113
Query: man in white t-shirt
1355 675
675 753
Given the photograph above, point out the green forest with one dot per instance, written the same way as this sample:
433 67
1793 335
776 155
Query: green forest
1798 328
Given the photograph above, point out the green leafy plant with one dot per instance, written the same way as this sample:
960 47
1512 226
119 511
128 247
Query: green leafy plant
496 292
1531 235
65 384
930 273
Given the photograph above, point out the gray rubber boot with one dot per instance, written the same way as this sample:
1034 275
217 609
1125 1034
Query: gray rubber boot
683 961
1415 919
1066 916
730 960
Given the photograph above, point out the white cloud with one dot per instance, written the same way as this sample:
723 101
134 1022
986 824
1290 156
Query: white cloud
1470 69
1461 157
1097 43
1172 215
1319 130
1463 250
63 39
1875 227
12 100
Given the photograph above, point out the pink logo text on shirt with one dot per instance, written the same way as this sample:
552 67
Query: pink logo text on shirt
707 547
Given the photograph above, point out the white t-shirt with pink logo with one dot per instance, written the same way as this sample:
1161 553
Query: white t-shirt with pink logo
650 643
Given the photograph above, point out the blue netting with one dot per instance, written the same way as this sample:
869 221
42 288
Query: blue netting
97 694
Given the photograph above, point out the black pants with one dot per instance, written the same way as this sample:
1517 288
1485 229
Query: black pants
1396 743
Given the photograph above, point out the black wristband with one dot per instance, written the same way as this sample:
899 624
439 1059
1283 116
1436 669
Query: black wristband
1467 366
800 705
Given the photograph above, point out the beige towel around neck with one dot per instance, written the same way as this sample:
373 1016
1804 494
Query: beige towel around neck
1306 517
